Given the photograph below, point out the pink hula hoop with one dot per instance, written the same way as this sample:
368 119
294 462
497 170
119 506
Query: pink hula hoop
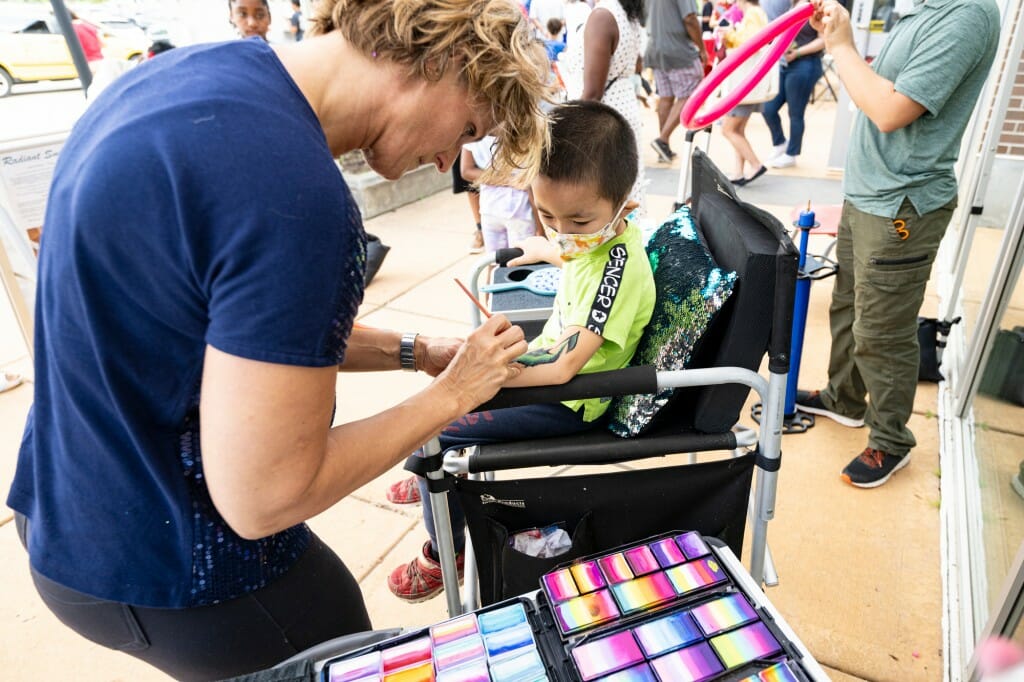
785 27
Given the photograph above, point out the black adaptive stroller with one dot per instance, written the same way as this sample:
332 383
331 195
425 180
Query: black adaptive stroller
606 511
600 511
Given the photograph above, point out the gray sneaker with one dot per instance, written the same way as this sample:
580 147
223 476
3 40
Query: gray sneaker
871 468
810 401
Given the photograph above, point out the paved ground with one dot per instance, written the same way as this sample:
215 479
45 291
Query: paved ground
859 569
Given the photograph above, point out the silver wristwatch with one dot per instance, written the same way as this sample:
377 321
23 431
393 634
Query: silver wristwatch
406 351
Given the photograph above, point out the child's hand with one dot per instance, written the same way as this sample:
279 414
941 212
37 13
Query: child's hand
536 250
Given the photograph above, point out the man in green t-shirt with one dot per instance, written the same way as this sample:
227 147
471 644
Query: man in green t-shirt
900 190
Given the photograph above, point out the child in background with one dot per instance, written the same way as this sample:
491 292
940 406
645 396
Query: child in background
604 302
556 41
250 17
506 215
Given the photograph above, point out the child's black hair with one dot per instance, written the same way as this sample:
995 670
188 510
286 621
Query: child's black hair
592 144
555 26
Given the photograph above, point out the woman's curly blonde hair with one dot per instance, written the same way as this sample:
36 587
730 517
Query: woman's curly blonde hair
488 41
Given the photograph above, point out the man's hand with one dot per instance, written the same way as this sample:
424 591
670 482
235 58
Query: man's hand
832 22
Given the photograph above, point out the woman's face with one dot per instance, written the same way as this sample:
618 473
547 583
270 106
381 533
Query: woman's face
250 18
429 123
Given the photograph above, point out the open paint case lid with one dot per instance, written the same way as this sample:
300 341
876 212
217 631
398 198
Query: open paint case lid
660 609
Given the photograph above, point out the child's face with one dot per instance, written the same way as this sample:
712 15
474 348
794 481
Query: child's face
570 208
250 18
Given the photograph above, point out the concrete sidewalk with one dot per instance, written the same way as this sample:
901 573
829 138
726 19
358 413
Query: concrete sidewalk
860 580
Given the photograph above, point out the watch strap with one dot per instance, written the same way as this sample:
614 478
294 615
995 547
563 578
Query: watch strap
407 351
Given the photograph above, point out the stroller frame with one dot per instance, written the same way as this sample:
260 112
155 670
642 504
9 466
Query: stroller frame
636 380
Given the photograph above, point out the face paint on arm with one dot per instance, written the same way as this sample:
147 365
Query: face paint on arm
547 356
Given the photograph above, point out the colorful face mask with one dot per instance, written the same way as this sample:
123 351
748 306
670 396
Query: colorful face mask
574 245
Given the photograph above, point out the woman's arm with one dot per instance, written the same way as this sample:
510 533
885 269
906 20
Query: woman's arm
270 456
600 38
375 350
558 363
794 52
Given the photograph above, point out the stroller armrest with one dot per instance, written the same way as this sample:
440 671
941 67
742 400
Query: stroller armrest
595 385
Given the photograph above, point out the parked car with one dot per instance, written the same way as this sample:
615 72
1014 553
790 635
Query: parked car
122 37
32 49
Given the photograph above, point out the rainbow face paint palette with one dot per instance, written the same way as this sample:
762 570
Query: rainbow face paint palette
650 575
663 610
679 646
496 645
585 612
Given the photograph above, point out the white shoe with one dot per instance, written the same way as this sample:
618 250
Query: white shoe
782 161
778 150
9 380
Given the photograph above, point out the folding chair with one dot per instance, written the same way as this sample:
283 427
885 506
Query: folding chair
825 82
700 417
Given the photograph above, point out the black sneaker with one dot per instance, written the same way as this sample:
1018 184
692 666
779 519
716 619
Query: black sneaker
810 401
872 468
665 152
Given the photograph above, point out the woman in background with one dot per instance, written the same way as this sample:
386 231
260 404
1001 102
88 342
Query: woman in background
603 65
799 74
734 125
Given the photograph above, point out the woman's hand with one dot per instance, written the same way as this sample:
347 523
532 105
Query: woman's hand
484 362
536 250
435 354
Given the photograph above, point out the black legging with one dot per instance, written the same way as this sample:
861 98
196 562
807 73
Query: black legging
317 600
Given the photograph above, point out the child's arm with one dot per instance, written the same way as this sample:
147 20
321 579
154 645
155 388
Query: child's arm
537 250
558 363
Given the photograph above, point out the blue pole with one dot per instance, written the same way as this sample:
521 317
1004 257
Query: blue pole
802 296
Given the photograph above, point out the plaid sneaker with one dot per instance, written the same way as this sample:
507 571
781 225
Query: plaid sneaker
872 468
810 401
406 491
420 579
665 152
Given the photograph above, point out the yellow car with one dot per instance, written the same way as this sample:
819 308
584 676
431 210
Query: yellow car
122 38
32 49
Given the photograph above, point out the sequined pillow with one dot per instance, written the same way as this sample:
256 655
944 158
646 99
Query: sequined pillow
691 289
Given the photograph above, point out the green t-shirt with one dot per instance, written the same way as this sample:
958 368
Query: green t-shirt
938 54
609 291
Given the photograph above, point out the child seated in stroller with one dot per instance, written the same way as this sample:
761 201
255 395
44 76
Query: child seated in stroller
605 300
